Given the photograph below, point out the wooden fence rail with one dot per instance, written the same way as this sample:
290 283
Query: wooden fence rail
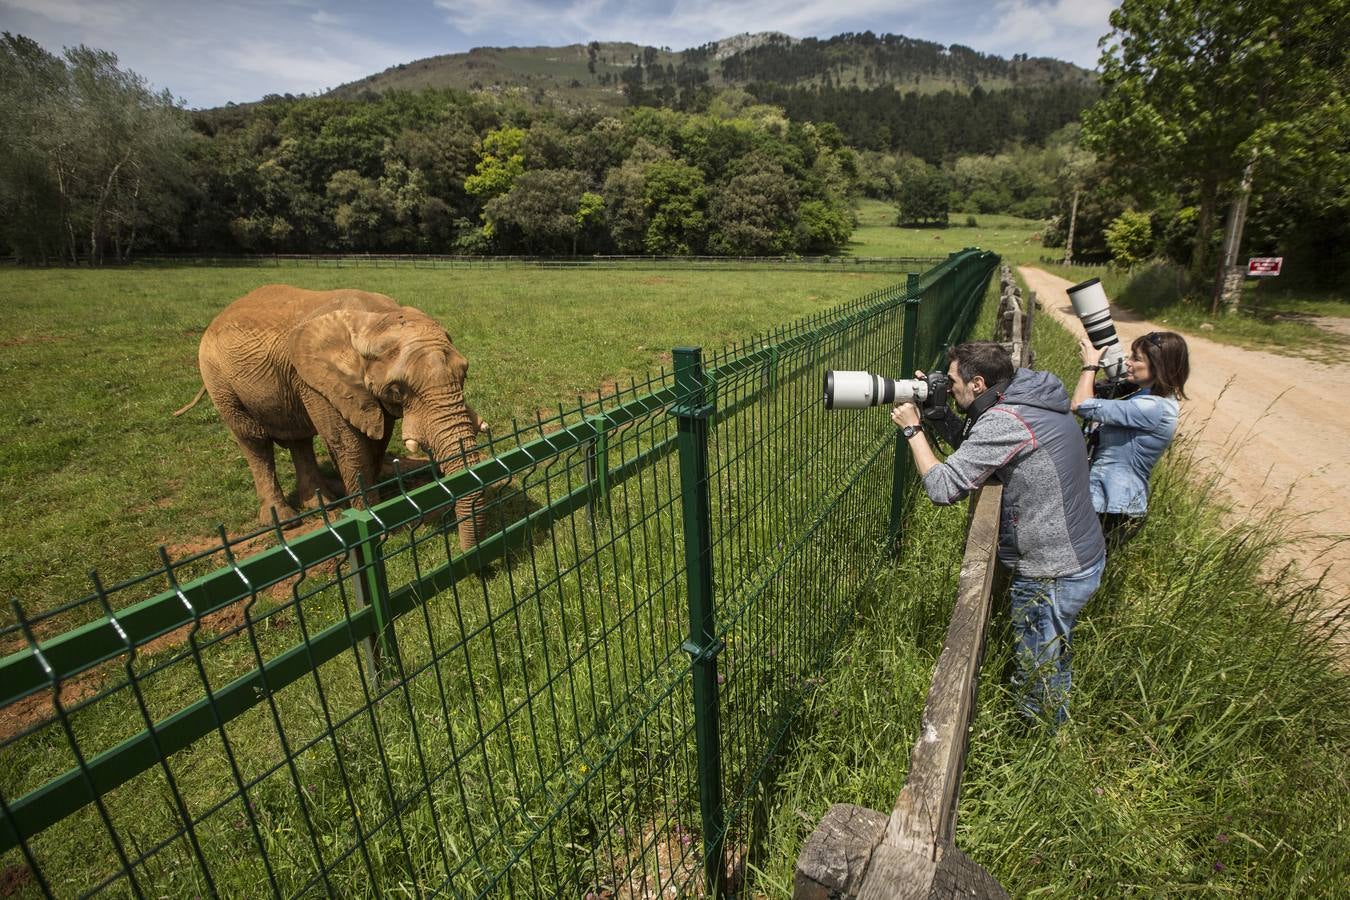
911 853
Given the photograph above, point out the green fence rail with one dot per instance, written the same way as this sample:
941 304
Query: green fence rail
588 701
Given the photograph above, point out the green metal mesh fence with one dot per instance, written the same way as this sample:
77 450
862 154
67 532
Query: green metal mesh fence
586 702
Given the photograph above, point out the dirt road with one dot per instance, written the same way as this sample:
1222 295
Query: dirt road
1275 426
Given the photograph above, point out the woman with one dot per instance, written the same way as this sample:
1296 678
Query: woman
1132 432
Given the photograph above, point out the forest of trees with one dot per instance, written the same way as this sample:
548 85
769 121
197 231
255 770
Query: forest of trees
934 127
1223 132
1249 127
101 166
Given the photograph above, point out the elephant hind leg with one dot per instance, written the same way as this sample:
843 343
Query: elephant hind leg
257 448
309 478
262 463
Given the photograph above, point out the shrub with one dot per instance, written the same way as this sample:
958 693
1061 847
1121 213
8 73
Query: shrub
1130 238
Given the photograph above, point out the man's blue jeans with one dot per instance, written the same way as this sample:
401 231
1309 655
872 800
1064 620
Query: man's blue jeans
1044 611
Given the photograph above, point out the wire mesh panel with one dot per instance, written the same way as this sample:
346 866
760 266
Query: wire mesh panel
354 703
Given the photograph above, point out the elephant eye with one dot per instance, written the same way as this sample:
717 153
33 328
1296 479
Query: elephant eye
395 390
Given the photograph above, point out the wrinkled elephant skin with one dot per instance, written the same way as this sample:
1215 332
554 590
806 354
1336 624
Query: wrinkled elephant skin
283 364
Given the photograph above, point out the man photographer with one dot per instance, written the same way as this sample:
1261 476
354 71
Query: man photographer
1020 432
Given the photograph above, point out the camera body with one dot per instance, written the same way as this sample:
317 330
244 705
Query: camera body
863 390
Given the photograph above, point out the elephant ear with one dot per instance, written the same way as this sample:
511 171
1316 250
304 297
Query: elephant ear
324 352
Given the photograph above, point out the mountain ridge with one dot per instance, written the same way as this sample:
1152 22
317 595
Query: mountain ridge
606 73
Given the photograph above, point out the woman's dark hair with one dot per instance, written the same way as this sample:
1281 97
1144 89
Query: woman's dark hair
1168 360
985 358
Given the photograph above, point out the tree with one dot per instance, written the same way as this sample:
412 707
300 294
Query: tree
676 202
823 226
626 206
924 198
542 208
500 164
1130 238
1210 92
755 214
93 156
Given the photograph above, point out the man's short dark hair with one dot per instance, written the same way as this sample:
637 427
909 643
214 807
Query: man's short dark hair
985 358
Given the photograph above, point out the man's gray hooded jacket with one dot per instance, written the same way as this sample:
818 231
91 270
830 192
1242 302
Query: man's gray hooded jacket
1031 443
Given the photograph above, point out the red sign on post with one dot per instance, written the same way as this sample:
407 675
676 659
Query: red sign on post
1264 266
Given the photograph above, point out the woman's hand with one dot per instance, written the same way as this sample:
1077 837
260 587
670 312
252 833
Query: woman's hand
1091 355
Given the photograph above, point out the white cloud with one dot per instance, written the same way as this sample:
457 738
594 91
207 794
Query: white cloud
1065 29
87 14
678 24
312 70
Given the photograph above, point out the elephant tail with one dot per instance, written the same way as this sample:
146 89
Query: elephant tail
179 412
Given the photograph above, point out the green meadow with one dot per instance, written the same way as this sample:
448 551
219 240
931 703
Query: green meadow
1016 240
99 473
1206 753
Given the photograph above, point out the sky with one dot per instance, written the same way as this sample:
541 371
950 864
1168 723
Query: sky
210 52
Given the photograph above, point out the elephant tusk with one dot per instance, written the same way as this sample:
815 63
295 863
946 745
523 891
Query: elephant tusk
412 445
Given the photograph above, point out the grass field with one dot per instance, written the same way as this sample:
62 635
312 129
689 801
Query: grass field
1016 240
99 473
601 623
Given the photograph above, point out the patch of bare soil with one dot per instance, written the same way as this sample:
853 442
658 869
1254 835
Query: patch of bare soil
1273 429
231 621
31 339
1334 324
14 879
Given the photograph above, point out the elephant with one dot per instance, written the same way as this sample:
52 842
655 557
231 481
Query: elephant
283 364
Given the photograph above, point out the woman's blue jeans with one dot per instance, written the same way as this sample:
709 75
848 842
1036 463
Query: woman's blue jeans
1044 611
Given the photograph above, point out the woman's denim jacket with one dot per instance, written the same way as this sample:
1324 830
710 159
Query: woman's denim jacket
1133 435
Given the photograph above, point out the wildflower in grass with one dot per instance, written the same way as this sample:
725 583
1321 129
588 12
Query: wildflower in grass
1222 838
721 678
1219 867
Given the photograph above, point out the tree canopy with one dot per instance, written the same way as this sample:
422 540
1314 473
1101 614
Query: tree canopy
94 161
1211 97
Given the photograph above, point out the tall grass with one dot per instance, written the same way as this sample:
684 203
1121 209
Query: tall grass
1209 732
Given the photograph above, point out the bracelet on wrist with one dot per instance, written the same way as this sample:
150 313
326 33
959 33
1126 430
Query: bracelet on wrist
1092 368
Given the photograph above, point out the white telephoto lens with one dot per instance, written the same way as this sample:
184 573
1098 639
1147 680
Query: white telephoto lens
1090 304
861 390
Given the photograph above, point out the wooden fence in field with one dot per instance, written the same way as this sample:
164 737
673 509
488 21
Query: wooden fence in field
911 852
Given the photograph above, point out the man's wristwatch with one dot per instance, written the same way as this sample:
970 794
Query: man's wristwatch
910 430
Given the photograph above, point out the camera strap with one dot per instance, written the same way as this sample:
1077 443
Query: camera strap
981 404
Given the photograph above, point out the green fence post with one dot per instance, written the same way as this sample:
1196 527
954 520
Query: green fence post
904 463
597 465
771 369
693 411
371 588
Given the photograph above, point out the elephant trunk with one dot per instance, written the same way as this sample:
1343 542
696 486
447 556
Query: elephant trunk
452 448
471 519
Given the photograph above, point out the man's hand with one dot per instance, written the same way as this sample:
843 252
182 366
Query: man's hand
905 414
